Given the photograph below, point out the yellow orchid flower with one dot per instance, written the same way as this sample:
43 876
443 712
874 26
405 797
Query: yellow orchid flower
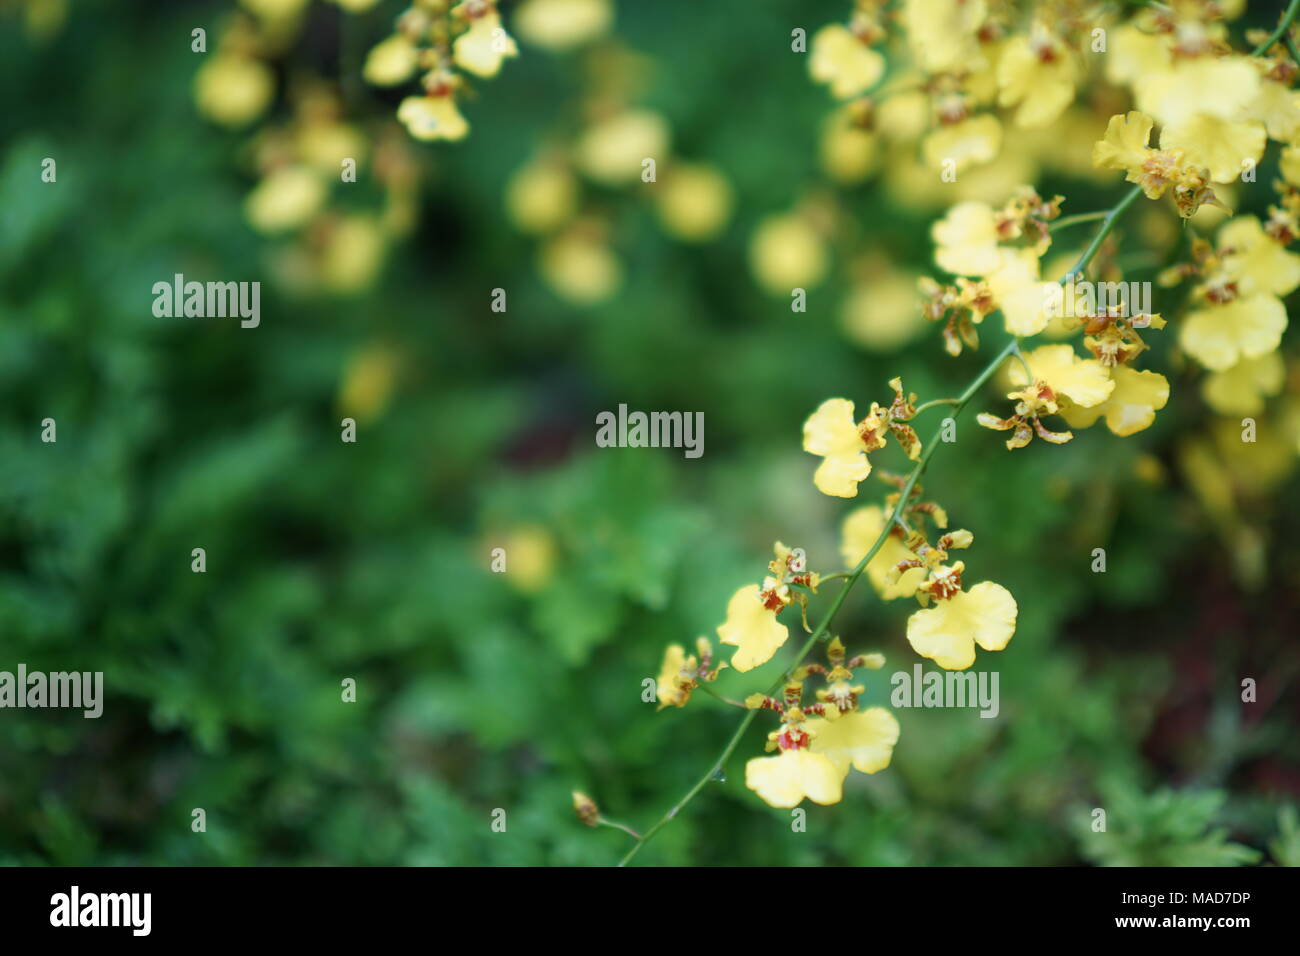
948 632
752 628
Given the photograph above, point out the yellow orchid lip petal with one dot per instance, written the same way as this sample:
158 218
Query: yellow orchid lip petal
785 780
832 433
948 632
752 629
862 740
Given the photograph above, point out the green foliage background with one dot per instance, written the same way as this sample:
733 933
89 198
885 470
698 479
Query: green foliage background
328 560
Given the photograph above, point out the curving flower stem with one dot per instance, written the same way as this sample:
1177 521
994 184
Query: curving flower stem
1065 222
1278 34
933 402
1010 349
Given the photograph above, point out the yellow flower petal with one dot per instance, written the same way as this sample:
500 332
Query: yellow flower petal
233 90
1131 407
541 196
786 253
560 25
483 46
391 62
861 528
1134 54
752 629
1289 164
942 33
1018 292
1219 336
1125 143
1084 381
1257 261
966 240
948 632
611 152
1241 390
694 201
971 142
580 267
285 199
1223 87
1044 87
432 117
785 780
1278 108
667 689
863 739
1223 147
845 62
831 432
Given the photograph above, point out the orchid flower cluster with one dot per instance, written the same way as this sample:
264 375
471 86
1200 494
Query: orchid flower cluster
1215 109
441 43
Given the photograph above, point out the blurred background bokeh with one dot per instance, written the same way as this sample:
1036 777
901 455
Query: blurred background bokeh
475 430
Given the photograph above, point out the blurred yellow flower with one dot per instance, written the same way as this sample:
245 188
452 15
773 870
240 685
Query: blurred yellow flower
433 117
970 142
671 690
1019 293
1224 147
840 59
482 47
1257 261
787 252
966 240
1241 389
580 267
1132 54
391 62
1221 87
879 312
1039 73
1219 336
848 150
611 151
286 199
233 90
942 33
1289 164
541 196
862 740
368 383
560 25
693 201
861 528
530 557
353 254
1277 106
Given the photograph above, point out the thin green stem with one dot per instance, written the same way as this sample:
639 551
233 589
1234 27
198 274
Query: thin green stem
933 402
726 700
1107 223
1065 222
619 826
1277 34
1291 48
1024 364
1011 348
834 577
